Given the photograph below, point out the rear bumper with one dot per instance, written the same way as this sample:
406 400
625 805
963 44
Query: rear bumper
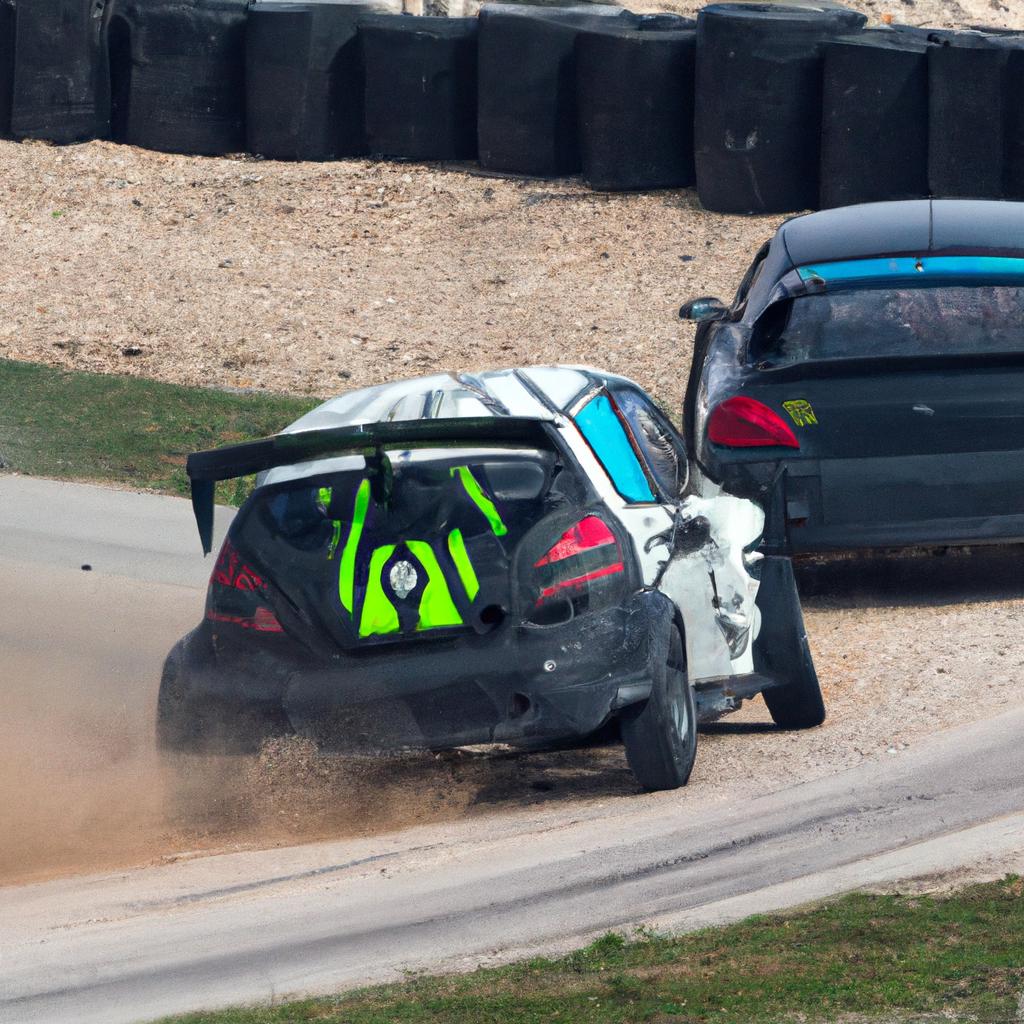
925 533
819 505
518 684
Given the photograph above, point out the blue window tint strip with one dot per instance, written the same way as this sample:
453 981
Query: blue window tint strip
926 270
606 436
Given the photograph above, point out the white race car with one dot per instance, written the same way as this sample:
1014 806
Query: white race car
521 556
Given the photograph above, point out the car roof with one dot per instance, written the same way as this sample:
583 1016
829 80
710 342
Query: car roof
538 392
908 227
912 227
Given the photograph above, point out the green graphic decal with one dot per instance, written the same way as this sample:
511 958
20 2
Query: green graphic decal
335 540
436 606
482 502
379 614
801 412
460 556
347 573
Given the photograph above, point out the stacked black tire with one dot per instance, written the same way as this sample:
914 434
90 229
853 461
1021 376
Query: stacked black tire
975 117
635 94
526 118
305 79
874 124
420 87
54 85
177 74
758 122
916 112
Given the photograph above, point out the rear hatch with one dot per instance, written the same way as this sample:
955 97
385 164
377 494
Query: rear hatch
356 556
908 406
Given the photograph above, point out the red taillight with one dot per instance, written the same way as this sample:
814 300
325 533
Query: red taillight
578 582
588 533
742 422
237 594
577 567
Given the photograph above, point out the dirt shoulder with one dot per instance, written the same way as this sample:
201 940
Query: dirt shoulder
316 278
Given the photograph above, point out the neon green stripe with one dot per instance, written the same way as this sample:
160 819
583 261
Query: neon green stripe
335 540
437 608
347 573
460 556
482 502
379 614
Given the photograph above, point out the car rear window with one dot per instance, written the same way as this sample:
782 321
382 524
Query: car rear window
331 544
868 322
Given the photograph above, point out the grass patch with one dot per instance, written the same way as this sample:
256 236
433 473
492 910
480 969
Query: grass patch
89 426
877 957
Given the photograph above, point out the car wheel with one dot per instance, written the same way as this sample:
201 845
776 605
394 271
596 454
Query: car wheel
660 735
175 725
187 724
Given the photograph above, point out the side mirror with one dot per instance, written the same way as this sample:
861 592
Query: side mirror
703 309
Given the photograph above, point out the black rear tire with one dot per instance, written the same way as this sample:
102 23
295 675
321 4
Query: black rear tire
187 723
781 650
175 726
660 735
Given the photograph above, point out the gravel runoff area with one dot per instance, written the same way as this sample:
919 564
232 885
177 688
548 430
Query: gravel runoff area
315 278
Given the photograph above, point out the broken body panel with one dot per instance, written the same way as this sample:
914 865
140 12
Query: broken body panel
458 560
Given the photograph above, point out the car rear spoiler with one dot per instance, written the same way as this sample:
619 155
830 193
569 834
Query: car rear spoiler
369 439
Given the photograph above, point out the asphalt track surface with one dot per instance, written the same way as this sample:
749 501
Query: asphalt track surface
255 926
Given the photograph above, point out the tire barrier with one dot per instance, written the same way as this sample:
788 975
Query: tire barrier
874 119
758 120
968 116
665 23
305 78
526 113
635 89
1013 177
7 29
791 104
420 87
177 74
58 88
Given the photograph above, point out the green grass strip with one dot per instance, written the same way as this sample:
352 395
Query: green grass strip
87 426
881 958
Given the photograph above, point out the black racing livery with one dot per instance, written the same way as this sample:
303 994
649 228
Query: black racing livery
867 383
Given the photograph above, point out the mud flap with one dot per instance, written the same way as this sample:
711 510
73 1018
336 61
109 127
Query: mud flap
781 649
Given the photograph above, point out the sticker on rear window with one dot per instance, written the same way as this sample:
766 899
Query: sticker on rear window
800 412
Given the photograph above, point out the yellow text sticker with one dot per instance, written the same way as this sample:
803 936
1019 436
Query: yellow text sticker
800 412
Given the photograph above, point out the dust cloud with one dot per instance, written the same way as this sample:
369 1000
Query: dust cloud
83 788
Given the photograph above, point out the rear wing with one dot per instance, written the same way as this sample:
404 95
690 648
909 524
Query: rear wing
368 439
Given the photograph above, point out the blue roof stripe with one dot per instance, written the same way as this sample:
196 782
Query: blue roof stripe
926 269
